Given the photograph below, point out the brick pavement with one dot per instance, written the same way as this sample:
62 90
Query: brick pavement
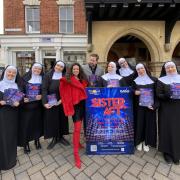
58 164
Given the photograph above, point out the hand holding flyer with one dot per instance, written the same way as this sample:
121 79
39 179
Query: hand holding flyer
12 96
146 97
52 100
32 90
175 91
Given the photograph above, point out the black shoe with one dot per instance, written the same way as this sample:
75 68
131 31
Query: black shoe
176 161
37 144
27 149
168 158
63 141
52 143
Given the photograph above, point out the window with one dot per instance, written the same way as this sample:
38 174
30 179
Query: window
32 19
66 19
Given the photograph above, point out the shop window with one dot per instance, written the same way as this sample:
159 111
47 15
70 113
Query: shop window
24 61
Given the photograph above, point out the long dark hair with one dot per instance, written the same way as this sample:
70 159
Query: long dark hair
81 75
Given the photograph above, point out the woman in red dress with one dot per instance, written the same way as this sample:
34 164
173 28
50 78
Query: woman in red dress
73 95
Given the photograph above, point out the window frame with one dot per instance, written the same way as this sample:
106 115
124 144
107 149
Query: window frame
26 21
66 20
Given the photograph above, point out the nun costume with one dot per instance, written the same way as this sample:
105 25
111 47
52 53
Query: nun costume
55 122
111 79
126 70
8 120
145 105
31 120
169 114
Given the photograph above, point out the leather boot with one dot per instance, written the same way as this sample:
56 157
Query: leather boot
76 140
27 148
52 143
37 144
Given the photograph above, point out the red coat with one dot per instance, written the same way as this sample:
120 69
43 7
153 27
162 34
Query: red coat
71 94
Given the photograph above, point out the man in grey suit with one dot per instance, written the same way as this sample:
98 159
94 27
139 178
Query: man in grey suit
93 71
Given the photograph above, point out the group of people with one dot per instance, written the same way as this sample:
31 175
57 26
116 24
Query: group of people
62 93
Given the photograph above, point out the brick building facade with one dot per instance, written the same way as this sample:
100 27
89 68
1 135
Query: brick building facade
43 31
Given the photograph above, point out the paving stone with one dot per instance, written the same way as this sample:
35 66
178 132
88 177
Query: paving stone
138 160
48 159
36 168
23 159
75 171
113 176
135 169
82 176
35 159
52 176
111 160
60 159
22 176
86 160
149 169
97 176
159 176
90 170
151 160
143 176
99 160
8 175
48 169
63 169
174 176
22 168
106 169
163 168
175 169
128 176
125 160
139 153
120 169
57 152
37 176
67 176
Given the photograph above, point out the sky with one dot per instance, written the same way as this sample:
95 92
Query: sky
1 16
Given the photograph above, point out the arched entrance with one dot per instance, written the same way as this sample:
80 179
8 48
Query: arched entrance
130 47
176 55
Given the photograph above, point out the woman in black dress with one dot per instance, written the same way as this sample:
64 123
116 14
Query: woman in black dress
111 79
8 120
169 113
31 122
73 94
55 122
126 70
145 105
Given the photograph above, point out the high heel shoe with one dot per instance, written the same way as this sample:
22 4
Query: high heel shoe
52 143
37 144
27 149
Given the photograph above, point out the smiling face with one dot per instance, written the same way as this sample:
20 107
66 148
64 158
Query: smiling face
36 70
10 74
171 69
124 64
75 70
58 68
93 61
141 71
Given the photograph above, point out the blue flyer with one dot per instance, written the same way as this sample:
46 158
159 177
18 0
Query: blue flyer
52 100
12 95
113 83
146 97
175 91
32 90
109 121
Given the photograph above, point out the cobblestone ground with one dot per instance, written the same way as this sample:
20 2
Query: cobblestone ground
58 164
